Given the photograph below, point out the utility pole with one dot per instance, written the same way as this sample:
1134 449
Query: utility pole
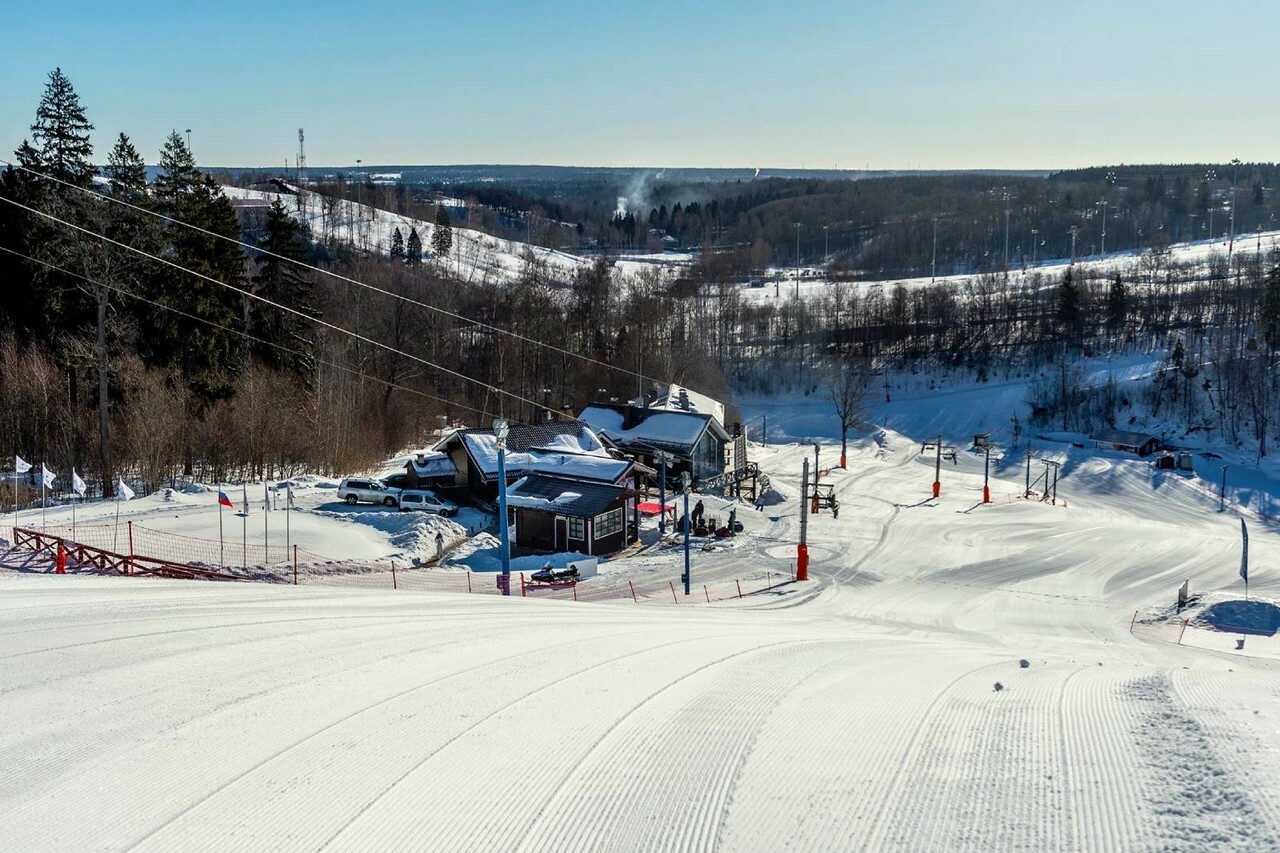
1209 177
1051 490
1103 205
1006 235
816 473
802 550
1074 229
826 252
1034 232
937 469
1030 453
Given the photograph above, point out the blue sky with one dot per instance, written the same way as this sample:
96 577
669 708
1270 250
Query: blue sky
924 84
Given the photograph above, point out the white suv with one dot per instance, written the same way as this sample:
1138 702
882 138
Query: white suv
424 501
354 490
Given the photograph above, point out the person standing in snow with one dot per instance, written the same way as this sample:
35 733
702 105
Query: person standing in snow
696 515
439 546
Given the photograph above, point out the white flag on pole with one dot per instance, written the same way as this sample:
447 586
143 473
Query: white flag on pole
77 485
47 477
21 465
123 492
288 495
245 486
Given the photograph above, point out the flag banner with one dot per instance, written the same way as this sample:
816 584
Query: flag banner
1244 552
288 487
223 500
77 485
123 492
47 477
21 465
246 498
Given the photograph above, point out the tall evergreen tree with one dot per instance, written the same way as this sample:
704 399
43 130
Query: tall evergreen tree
442 233
397 244
282 281
413 251
1269 318
1117 305
60 135
1070 316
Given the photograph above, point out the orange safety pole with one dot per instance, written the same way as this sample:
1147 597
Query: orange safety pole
61 566
522 592
802 562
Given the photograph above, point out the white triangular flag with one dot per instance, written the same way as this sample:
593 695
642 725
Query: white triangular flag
20 465
77 485
123 492
246 498
288 495
47 477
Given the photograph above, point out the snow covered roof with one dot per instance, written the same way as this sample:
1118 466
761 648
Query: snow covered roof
566 497
536 447
433 465
678 430
1120 436
677 398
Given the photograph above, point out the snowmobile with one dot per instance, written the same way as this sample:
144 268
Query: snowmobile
548 574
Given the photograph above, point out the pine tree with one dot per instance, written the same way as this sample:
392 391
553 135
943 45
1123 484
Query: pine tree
60 145
397 244
413 251
1117 307
178 176
282 281
126 172
442 234
1269 320
1070 317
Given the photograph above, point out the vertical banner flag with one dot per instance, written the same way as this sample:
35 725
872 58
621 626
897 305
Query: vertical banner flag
47 477
246 498
223 500
123 492
1244 552
77 485
20 465
288 502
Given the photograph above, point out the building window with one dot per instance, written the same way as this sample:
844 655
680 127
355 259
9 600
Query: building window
608 523
577 529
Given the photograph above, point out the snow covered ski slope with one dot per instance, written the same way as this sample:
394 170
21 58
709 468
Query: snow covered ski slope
885 704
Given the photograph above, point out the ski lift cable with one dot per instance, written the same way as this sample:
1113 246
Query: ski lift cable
246 335
266 301
330 273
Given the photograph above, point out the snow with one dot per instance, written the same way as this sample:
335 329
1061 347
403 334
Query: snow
582 453
857 710
679 429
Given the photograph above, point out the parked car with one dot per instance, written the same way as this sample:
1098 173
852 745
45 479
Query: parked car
423 501
396 481
356 490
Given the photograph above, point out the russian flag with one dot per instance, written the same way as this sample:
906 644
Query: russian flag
223 500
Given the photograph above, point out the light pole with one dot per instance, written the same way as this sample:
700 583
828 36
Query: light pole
797 260
685 485
1209 177
933 269
1103 205
500 429
1034 232
826 251
937 469
188 139
816 450
1075 230
1235 176
1006 235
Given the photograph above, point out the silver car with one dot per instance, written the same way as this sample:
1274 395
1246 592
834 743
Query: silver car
356 490
423 501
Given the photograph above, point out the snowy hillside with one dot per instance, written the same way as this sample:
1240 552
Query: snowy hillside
953 676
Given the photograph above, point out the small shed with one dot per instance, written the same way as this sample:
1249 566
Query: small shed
1140 443
559 514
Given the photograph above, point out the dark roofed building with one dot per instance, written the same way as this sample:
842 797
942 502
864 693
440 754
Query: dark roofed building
558 514
696 440
1140 443
475 456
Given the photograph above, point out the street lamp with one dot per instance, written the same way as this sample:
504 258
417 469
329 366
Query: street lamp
1103 205
500 430
1235 175
797 260
1034 232
933 270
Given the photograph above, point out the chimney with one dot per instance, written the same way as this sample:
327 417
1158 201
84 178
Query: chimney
684 399
422 459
